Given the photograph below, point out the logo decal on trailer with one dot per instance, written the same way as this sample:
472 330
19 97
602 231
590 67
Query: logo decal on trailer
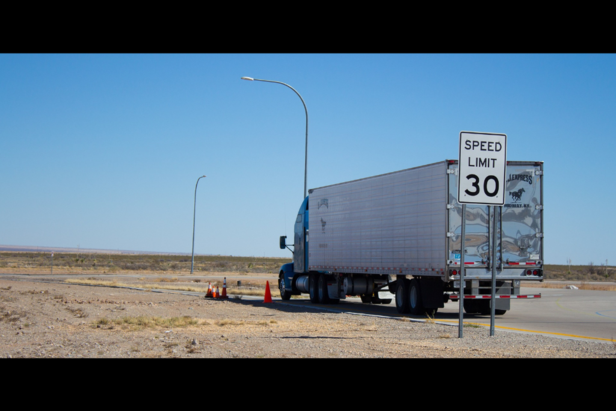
521 177
324 202
516 195
323 225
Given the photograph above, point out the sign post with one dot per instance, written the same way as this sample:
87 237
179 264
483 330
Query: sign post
481 180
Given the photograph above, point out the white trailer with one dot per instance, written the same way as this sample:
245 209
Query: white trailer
399 233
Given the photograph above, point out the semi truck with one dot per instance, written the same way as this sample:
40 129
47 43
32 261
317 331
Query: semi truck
398 235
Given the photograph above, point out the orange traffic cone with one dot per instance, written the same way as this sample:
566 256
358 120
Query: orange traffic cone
216 293
209 291
268 294
224 289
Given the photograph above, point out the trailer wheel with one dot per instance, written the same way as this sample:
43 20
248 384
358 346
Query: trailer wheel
415 303
471 307
284 293
323 296
484 307
314 288
402 296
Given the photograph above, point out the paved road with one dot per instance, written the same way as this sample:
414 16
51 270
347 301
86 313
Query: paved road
559 312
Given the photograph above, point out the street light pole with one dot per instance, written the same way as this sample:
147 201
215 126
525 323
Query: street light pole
306 110
192 263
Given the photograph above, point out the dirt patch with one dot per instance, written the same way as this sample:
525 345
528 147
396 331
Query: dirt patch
66 320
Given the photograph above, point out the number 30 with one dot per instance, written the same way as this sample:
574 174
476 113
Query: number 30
485 185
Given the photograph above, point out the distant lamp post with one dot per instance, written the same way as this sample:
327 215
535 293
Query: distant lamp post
305 109
192 263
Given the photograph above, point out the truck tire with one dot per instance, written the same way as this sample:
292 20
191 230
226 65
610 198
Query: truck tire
314 288
323 296
386 301
471 306
499 312
366 298
284 293
415 303
402 296
484 307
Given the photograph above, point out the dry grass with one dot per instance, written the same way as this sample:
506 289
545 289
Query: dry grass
141 322
99 263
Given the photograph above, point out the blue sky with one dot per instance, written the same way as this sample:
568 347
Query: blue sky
104 150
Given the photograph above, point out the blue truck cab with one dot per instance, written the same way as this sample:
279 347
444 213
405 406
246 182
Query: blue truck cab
287 276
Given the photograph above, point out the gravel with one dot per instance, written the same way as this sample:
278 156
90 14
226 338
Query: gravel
57 320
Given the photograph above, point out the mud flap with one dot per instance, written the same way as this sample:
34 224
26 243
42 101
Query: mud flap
432 292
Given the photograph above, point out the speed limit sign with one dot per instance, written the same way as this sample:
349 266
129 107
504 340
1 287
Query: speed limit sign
482 166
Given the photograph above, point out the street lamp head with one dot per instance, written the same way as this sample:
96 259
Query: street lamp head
248 78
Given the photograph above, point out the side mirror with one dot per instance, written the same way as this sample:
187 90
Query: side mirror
283 242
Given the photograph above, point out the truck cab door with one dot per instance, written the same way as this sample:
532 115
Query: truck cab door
300 239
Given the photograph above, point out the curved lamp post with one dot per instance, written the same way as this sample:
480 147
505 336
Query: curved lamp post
305 109
192 263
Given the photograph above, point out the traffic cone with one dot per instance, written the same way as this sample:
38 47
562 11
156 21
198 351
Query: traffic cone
216 293
224 289
209 291
268 294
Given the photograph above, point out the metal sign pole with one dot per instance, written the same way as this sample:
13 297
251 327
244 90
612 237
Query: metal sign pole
493 258
461 291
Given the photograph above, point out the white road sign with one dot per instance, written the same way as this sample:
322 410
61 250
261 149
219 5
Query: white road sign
482 166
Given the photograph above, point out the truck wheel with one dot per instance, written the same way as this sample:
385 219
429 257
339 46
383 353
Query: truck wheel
366 298
322 290
331 300
499 312
484 307
284 293
470 307
314 288
415 303
402 296
386 301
